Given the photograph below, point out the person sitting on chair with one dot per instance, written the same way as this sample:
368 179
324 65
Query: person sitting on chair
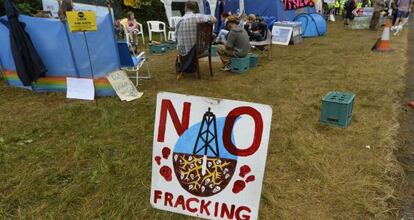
131 26
186 34
237 44
258 30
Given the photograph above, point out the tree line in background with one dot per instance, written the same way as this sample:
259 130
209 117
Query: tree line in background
144 9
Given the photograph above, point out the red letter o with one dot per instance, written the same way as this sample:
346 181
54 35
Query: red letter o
228 128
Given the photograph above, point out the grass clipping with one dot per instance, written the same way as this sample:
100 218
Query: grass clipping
71 159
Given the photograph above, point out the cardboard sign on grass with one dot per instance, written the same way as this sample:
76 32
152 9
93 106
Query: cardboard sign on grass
123 86
281 35
209 156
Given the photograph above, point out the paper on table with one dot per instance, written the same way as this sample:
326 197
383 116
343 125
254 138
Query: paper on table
78 88
123 86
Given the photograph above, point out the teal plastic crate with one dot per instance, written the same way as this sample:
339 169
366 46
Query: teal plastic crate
254 58
171 45
337 109
158 48
240 65
214 49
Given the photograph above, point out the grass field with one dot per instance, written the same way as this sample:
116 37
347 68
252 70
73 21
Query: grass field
61 158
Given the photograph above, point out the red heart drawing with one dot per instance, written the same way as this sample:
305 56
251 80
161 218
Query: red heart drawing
166 173
158 160
238 186
250 179
166 152
244 170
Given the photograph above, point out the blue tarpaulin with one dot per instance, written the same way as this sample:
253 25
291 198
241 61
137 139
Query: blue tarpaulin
266 8
51 39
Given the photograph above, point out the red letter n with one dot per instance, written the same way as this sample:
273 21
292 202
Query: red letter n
180 126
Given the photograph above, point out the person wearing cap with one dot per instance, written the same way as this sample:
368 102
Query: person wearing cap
237 44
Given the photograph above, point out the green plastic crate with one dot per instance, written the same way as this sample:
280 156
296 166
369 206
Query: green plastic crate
158 48
337 109
240 65
171 45
214 49
254 59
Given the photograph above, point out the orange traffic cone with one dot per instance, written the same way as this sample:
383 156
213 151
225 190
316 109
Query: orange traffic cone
383 45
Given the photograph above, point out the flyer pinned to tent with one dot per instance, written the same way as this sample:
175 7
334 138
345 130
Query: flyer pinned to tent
123 86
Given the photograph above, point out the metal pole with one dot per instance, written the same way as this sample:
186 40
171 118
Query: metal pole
71 49
90 63
89 54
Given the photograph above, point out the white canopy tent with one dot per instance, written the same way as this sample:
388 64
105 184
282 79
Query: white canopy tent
212 3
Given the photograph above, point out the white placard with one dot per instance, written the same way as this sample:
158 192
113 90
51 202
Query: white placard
78 88
281 35
209 156
123 86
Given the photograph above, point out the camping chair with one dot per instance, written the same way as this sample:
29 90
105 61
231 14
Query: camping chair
267 44
202 48
132 63
203 44
173 21
157 27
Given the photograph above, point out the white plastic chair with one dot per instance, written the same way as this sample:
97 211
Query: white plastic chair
157 27
140 32
173 21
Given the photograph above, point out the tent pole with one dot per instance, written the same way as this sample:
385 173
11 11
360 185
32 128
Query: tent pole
71 50
89 54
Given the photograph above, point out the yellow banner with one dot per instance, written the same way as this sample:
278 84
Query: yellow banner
131 3
81 21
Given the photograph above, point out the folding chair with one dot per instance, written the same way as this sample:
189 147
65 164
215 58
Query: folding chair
203 45
131 62
265 43
204 39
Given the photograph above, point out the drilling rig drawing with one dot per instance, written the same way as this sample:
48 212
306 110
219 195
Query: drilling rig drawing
207 135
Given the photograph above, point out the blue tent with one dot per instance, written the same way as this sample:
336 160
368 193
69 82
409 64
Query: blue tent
64 54
265 8
313 25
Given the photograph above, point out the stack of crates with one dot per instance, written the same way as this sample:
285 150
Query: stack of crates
337 109
240 65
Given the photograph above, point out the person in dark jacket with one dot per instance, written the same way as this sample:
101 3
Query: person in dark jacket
256 28
237 44
350 6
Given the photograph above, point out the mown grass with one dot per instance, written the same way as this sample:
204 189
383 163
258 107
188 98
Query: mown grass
61 158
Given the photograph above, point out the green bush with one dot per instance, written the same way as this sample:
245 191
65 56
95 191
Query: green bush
154 10
28 7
